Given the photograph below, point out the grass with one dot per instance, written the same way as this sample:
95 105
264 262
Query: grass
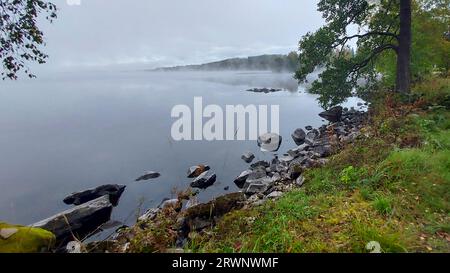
391 186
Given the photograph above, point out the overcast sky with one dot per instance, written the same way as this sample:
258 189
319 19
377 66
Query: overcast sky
171 32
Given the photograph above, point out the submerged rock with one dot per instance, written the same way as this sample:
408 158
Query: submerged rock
79 221
195 171
269 142
248 157
114 192
334 114
20 239
148 175
205 180
299 136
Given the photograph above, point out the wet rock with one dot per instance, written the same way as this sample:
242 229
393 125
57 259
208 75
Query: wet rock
269 142
333 115
309 128
299 136
312 135
148 175
240 180
226 188
195 171
204 181
112 190
248 157
80 220
286 158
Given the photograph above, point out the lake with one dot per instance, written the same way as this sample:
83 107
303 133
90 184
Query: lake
66 132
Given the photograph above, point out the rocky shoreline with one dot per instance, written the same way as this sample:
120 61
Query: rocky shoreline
262 181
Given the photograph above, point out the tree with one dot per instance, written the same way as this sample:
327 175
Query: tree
20 37
430 46
383 25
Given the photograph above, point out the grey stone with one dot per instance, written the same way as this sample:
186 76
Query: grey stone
148 175
248 157
112 190
204 181
299 136
269 142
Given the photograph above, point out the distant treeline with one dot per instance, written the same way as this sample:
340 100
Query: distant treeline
276 63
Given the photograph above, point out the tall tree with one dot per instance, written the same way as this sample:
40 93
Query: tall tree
20 37
374 27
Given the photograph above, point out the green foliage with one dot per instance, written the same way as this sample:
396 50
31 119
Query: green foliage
382 205
20 36
326 47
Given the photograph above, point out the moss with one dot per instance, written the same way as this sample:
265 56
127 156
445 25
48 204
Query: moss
26 240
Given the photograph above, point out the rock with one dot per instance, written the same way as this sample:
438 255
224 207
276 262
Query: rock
312 135
150 214
80 220
248 157
323 150
359 104
226 188
148 175
275 195
254 188
171 203
240 180
112 190
286 158
205 180
195 171
299 136
20 239
259 164
204 215
192 202
269 142
300 181
256 175
334 114
309 128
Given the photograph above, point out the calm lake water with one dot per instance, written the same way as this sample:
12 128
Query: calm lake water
67 132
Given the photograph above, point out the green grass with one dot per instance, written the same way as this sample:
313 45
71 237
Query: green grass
391 187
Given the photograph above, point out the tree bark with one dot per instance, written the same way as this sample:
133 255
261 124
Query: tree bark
403 84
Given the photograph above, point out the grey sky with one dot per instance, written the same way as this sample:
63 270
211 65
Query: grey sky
170 32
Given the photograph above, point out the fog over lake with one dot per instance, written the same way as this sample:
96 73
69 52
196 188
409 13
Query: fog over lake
66 132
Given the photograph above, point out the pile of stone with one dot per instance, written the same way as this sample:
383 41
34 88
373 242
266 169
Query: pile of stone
266 180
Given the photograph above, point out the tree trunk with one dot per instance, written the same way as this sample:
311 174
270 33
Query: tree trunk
404 48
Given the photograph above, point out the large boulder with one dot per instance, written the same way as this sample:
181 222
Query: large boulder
112 190
20 239
79 221
334 114
299 136
269 142
195 171
204 181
